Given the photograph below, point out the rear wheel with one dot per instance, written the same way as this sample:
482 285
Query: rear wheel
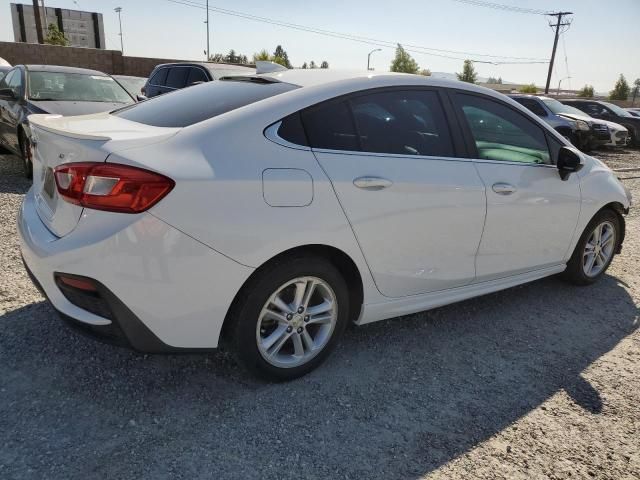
595 249
289 317
26 152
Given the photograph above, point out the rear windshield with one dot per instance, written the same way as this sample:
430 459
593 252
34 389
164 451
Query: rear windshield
75 87
201 102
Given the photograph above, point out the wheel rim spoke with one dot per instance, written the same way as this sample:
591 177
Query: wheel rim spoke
278 344
282 305
320 319
298 348
324 307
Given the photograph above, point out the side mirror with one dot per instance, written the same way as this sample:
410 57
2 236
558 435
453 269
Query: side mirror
8 93
569 161
141 98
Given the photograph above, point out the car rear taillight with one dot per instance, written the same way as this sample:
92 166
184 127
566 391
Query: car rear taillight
111 187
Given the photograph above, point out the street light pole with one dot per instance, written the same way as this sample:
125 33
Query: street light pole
207 22
118 10
369 57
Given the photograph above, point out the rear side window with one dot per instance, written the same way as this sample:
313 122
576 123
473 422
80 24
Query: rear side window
177 77
160 77
403 123
291 130
330 125
196 75
201 102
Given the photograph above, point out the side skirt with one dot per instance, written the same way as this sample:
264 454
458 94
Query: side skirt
372 312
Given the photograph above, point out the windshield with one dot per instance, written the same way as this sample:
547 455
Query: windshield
617 110
75 87
201 102
133 85
556 107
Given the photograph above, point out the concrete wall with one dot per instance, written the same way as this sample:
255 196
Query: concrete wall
108 61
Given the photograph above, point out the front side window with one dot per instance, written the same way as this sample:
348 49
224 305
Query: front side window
4 82
501 133
402 122
177 77
159 78
75 87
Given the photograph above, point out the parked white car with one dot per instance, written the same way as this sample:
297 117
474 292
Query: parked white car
268 211
619 134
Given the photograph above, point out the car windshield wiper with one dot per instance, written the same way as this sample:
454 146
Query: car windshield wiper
44 99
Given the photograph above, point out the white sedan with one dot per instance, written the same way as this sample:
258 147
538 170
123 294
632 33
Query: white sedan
268 211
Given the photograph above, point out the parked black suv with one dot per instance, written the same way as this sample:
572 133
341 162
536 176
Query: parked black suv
612 113
168 77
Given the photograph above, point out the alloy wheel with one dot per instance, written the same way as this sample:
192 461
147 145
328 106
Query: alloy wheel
296 322
599 249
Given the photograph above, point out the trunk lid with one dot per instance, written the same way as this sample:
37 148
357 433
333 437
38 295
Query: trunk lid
87 138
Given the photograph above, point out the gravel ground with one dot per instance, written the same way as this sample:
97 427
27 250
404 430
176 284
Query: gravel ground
539 381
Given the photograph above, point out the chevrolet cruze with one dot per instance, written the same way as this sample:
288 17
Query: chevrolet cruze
266 211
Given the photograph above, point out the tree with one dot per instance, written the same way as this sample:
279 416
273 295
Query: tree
635 91
468 74
620 90
495 80
305 66
425 72
403 62
55 36
281 57
313 64
324 64
261 56
586 91
531 88
231 57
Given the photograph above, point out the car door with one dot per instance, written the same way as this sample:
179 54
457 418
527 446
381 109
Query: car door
196 75
416 210
176 78
531 212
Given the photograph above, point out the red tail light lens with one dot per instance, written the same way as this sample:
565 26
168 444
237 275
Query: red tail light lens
110 186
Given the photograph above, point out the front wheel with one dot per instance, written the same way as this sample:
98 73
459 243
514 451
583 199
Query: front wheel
289 318
595 249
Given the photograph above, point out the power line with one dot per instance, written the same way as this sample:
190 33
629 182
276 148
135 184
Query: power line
500 6
499 59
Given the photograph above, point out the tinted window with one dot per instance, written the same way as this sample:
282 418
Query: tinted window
177 77
402 122
532 105
501 133
196 75
4 83
330 125
291 130
198 103
160 77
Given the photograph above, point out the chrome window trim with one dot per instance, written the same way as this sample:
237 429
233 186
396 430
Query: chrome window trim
271 133
430 157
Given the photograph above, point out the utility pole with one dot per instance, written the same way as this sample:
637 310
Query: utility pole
369 57
36 14
558 24
207 22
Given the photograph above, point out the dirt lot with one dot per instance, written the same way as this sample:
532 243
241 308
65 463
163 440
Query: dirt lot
539 381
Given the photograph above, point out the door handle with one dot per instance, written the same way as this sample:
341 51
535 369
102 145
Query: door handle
372 183
503 188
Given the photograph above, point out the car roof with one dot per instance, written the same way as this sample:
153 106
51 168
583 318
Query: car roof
62 69
209 65
129 76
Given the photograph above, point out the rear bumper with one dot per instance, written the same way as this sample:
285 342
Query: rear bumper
163 291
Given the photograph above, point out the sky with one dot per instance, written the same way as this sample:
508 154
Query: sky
601 43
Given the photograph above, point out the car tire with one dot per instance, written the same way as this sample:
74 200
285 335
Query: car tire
585 268
26 154
267 309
